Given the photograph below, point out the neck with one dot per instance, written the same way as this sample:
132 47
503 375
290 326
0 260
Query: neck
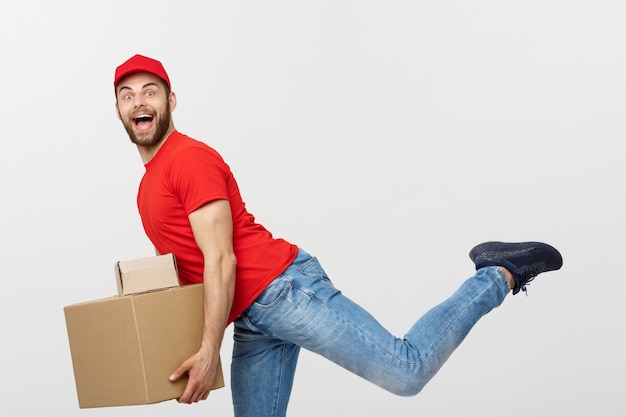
148 152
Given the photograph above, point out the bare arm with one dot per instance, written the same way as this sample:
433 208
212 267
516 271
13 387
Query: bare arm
212 228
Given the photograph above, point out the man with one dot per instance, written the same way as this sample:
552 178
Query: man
278 296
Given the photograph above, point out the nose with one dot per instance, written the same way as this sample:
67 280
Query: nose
139 100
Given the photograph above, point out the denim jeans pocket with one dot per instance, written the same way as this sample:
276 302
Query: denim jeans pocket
313 269
274 292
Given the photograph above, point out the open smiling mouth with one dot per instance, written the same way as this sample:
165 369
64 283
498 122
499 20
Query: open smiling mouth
143 121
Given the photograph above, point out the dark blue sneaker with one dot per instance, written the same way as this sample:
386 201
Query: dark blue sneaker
523 260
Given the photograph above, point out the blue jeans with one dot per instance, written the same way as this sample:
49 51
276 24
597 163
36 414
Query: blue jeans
301 308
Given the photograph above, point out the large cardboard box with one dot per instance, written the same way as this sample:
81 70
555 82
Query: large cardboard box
124 348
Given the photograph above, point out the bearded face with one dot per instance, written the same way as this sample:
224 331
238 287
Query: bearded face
148 127
143 106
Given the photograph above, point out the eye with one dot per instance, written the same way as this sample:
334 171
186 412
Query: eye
127 97
150 93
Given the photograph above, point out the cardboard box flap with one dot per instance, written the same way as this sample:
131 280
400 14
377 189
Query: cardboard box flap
146 274
92 359
161 356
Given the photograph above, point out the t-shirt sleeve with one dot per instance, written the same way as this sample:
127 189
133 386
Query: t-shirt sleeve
198 176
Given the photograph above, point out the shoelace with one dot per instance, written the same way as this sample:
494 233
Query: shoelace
529 275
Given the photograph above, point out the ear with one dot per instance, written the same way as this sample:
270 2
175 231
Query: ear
117 110
172 100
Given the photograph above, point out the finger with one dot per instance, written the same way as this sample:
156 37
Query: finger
188 394
201 396
178 372
186 398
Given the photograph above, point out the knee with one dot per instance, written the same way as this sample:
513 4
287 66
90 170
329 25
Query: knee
406 387
409 391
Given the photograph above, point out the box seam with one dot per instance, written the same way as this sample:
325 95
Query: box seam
141 353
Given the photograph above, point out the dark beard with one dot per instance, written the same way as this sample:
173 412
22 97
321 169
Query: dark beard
163 124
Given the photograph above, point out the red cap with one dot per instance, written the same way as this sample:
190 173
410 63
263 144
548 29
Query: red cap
140 63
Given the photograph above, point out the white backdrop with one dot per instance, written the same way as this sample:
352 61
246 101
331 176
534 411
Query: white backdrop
385 137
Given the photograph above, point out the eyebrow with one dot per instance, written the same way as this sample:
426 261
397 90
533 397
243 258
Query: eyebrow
150 84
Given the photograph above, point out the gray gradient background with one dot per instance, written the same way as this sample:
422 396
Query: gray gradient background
385 137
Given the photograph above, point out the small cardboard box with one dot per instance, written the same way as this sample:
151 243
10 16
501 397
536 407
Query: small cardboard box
146 274
124 348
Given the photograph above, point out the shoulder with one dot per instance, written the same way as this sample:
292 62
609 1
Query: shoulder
189 148
194 160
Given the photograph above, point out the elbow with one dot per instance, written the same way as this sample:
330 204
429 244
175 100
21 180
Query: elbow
229 265
231 260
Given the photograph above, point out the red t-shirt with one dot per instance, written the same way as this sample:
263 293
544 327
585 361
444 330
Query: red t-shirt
184 175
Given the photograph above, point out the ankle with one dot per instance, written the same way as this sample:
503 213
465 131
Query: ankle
508 276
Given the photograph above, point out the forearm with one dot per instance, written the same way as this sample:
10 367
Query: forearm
219 289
